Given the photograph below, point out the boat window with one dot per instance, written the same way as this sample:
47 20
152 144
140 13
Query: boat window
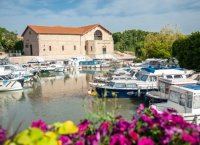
131 85
175 96
111 84
144 77
153 78
178 76
169 76
7 68
120 85
196 102
110 78
182 100
162 87
137 75
189 101
129 78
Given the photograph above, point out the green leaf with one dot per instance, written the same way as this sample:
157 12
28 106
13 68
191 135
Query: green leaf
35 134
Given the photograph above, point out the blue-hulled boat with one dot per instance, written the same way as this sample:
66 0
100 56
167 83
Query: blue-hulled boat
125 89
119 89
90 64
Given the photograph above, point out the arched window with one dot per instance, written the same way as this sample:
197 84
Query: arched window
98 35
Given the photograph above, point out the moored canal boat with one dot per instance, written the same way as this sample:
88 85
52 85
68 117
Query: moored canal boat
185 100
164 84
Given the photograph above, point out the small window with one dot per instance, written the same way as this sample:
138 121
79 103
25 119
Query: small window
26 46
49 48
91 48
178 76
153 78
169 76
144 78
63 48
120 85
104 50
74 47
43 49
131 85
85 48
29 32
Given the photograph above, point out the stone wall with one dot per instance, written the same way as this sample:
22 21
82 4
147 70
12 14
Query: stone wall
25 59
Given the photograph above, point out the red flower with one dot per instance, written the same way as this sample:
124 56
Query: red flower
134 135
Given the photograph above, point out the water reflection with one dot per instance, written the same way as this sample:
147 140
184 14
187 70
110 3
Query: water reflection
55 97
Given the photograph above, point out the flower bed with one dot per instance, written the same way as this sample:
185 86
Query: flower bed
147 127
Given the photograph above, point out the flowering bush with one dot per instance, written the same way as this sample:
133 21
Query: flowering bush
147 127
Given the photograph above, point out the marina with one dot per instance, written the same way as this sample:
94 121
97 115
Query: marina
99 72
56 96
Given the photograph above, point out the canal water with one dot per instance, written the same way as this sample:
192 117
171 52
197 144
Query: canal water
58 97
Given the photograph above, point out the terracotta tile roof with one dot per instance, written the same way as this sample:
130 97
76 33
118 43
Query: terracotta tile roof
62 30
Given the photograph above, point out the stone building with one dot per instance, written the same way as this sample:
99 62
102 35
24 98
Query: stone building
92 40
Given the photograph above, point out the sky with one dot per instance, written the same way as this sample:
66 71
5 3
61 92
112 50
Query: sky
115 15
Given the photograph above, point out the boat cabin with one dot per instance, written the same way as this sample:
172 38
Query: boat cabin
122 84
184 99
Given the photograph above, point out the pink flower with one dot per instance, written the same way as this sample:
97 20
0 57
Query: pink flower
119 139
134 136
104 128
121 126
146 141
65 140
39 124
140 109
79 143
188 138
83 126
166 116
94 139
147 119
154 111
2 135
165 139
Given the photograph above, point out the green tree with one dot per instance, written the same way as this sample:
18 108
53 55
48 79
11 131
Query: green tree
159 45
130 40
9 41
187 51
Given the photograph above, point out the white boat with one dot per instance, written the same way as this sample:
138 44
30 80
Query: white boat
46 67
10 85
185 100
58 65
74 62
163 89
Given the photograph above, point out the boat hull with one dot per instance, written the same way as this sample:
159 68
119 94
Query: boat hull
10 86
120 93
59 69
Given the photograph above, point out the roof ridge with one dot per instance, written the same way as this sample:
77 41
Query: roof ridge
62 30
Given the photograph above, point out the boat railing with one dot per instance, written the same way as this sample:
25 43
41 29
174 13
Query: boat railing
191 118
